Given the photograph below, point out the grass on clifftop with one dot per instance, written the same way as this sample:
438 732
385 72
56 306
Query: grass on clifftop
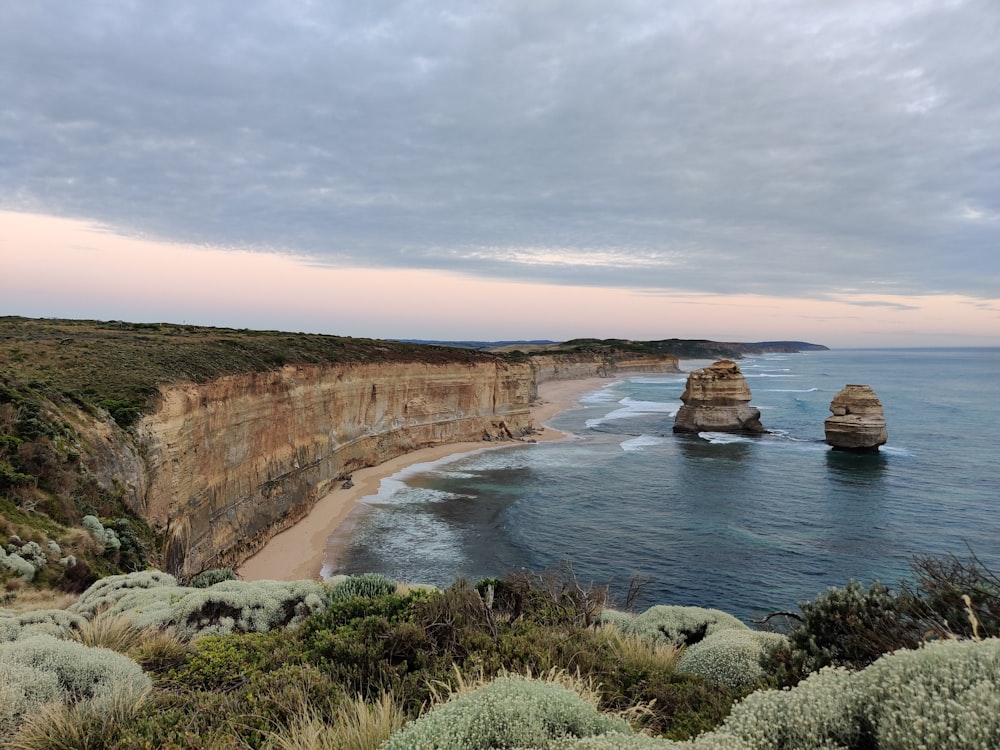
117 365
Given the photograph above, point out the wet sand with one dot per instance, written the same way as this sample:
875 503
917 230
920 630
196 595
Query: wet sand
298 552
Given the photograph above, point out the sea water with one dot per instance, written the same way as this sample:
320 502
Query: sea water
744 524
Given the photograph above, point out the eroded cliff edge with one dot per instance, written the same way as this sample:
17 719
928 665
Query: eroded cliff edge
217 439
231 462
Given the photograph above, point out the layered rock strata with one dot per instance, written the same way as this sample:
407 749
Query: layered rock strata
222 466
858 421
231 462
547 367
717 399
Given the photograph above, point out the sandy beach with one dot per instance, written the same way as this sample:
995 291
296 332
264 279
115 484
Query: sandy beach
298 552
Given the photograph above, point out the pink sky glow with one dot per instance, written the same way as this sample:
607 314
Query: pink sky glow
62 268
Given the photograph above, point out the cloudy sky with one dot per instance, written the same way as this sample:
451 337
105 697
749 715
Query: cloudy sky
826 170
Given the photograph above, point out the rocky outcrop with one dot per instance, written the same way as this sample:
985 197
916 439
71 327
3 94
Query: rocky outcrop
231 462
858 421
546 367
717 399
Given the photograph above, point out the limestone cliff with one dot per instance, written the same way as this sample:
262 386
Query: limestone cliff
717 399
231 462
858 421
546 367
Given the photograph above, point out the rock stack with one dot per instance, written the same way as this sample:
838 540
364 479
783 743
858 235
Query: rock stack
717 399
858 421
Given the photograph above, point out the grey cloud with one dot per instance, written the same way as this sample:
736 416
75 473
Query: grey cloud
799 148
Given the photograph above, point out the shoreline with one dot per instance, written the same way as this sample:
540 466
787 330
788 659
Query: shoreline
299 552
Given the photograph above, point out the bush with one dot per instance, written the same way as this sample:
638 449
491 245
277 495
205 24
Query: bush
55 622
152 599
679 626
18 566
42 669
730 657
107 592
849 627
367 586
946 694
941 585
511 712
211 577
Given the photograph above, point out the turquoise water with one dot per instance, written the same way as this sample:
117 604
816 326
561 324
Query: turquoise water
748 525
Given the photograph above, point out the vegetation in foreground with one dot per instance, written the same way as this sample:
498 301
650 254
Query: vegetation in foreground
529 661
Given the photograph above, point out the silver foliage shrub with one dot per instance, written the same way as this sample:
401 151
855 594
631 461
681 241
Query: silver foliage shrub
33 553
822 711
42 669
675 625
642 742
18 566
509 712
107 536
108 591
943 695
154 599
730 657
56 622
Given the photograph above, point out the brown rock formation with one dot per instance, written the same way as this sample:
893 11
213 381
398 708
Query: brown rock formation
231 462
224 465
858 421
717 399
546 367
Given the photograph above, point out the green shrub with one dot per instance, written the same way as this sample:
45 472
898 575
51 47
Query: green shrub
849 627
730 657
509 712
211 577
366 586
676 625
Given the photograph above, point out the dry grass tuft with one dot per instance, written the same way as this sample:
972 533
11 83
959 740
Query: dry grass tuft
82 726
110 631
639 654
355 725
159 650
29 599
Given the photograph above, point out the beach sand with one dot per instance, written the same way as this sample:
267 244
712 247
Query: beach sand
298 552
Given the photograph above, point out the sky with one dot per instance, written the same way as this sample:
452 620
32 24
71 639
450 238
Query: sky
818 170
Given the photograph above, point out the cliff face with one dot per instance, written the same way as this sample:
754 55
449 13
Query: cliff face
546 367
232 462
223 466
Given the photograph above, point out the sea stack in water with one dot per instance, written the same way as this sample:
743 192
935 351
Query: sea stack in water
858 421
717 399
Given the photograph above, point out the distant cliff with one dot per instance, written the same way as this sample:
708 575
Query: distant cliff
571 366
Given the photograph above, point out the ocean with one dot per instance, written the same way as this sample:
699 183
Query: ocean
748 525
